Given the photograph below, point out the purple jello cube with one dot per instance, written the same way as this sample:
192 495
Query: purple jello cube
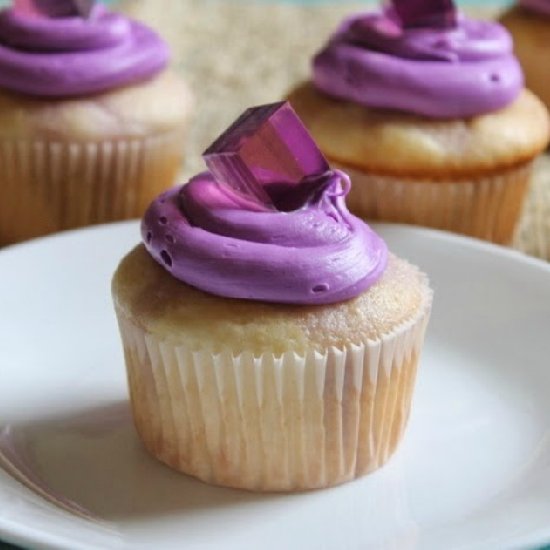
265 146
426 13
54 8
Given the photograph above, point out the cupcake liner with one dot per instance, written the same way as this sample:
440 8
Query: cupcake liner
487 207
273 423
533 235
52 186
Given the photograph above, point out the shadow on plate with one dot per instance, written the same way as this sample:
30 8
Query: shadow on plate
90 462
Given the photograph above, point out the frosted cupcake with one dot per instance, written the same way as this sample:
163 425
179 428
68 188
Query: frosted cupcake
529 24
271 341
426 110
91 121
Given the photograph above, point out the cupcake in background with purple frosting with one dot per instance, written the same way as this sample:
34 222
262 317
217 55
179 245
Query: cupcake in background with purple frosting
91 119
271 340
427 111
528 21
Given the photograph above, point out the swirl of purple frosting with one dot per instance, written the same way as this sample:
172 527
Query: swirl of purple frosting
316 252
464 70
74 56
539 6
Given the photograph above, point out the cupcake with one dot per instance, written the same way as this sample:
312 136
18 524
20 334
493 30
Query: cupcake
271 340
91 120
529 24
426 111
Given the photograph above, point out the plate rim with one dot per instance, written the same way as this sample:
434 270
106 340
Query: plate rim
437 234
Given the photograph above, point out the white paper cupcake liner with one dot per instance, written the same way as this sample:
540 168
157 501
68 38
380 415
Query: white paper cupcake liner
487 207
274 423
51 186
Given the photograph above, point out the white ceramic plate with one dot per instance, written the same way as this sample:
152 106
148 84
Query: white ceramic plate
473 471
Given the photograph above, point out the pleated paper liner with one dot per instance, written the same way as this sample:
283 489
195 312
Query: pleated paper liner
51 186
274 423
488 207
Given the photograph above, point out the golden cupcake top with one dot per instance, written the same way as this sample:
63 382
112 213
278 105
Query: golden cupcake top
393 142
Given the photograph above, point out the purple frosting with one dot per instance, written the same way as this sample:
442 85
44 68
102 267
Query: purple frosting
540 6
461 71
314 252
73 56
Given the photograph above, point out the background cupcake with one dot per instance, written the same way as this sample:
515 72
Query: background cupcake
91 122
268 347
427 112
529 24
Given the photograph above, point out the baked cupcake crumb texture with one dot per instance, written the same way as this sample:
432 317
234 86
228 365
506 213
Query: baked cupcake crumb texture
395 143
176 312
